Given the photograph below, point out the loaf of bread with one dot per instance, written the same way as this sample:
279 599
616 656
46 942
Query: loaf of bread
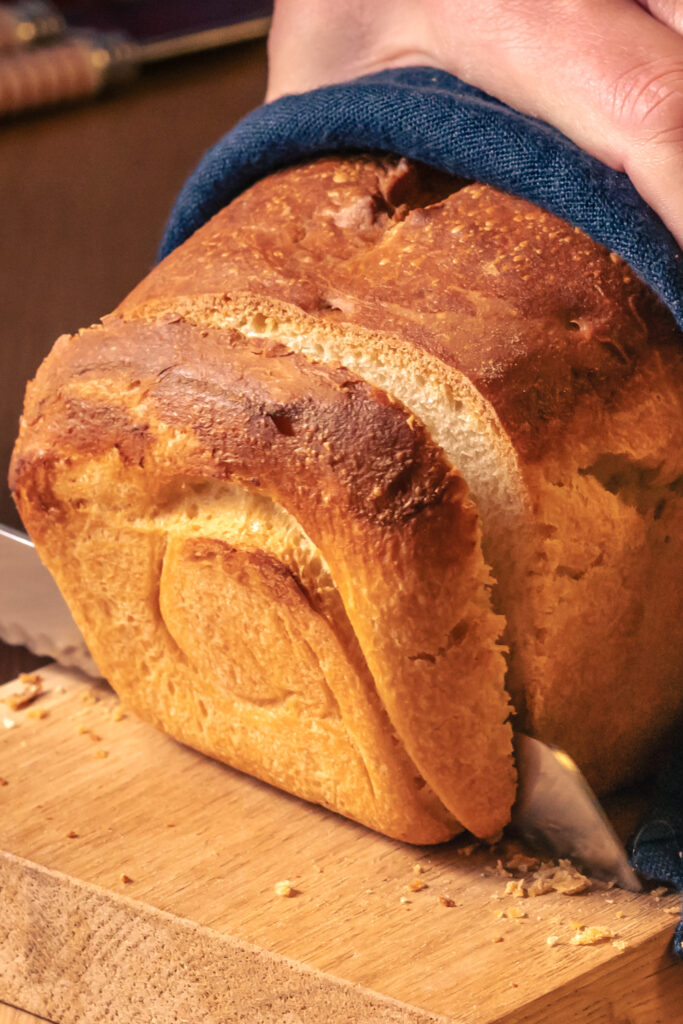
373 462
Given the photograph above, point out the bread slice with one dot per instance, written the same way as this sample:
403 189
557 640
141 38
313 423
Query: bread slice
271 560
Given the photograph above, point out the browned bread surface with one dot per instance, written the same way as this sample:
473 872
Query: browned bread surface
386 665
249 484
535 313
584 371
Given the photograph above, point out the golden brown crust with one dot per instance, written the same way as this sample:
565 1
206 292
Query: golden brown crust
358 473
542 319
302 354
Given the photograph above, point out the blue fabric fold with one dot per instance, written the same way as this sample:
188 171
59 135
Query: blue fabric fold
431 116
656 850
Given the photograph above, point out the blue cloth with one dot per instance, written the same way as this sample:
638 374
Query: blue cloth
656 850
431 116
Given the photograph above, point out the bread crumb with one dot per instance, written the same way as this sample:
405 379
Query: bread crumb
512 914
591 936
620 944
674 911
284 888
8 723
497 938
515 888
403 899
101 753
85 730
37 713
71 834
4 782
417 885
563 878
620 913
418 869
522 863
576 925
61 688
446 901
125 879
89 697
552 940
659 891
118 713
32 688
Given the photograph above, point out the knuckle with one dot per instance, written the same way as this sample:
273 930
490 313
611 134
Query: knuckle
647 101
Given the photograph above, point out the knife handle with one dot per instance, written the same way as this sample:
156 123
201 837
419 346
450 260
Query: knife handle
79 67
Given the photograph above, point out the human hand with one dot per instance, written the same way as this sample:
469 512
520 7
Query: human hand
607 73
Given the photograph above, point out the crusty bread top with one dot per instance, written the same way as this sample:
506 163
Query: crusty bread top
245 409
541 318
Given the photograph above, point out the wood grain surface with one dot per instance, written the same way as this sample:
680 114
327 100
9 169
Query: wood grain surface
12 1015
138 882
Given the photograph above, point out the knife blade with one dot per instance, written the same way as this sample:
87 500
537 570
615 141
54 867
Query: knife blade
555 807
33 612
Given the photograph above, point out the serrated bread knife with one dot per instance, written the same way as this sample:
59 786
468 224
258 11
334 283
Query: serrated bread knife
33 612
555 807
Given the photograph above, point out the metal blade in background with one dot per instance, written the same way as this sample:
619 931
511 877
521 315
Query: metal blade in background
556 809
33 613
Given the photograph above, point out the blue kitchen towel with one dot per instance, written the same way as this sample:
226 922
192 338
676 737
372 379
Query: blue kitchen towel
431 116
656 850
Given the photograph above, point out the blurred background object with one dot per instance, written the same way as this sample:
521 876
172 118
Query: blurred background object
86 190
25 24
52 55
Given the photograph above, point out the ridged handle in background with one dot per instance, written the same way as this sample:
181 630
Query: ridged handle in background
77 68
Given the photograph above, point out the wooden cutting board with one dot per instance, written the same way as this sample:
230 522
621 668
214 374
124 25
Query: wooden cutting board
138 883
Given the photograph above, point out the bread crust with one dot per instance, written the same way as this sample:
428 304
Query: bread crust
542 319
367 486
277 412
582 369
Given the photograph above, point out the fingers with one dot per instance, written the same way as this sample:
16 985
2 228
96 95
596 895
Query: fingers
609 75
